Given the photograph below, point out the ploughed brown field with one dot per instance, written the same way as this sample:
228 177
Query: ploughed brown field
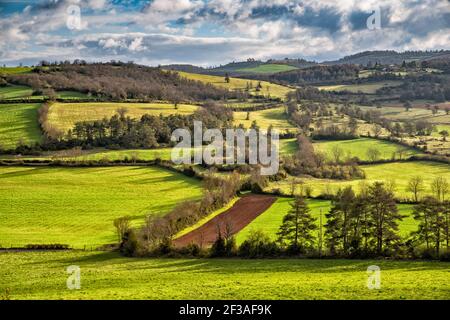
231 221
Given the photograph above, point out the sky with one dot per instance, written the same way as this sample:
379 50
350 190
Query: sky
214 32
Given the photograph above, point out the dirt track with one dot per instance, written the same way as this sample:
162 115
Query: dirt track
244 211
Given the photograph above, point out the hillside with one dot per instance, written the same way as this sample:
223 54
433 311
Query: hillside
390 57
116 81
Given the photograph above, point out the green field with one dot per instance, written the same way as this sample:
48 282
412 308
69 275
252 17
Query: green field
16 92
12 92
440 128
77 206
264 118
370 88
359 147
274 90
19 123
42 275
268 68
414 114
270 221
288 146
63 116
15 70
399 172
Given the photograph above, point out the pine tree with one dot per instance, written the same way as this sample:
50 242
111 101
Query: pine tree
339 221
298 224
433 217
384 216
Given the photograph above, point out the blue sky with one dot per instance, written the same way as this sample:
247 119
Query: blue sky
211 32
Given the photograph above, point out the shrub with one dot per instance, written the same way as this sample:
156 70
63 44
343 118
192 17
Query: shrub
129 244
258 245
55 246
218 249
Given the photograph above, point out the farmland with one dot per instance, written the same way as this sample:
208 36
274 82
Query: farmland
18 123
370 88
15 70
63 116
418 113
398 173
268 68
12 92
237 83
76 206
360 147
264 118
355 131
106 275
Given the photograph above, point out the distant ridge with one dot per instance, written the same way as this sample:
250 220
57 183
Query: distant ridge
390 57
249 67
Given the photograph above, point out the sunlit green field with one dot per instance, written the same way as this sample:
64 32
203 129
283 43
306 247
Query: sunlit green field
16 92
268 68
12 92
398 172
264 118
14 70
42 275
63 116
19 123
77 206
274 90
360 147
365 88
270 221
288 146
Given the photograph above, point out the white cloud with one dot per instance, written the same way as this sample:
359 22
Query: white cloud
168 30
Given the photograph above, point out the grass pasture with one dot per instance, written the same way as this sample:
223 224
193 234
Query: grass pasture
369 88
19 123
77 206
106 275
398 172
16 92
237 83
63 116
268 68
264 118
12 92
418 112
15 70
359 147
288 146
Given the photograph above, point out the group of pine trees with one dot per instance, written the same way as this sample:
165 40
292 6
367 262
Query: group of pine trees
367 224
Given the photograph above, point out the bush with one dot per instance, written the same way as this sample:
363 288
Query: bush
218 249
55 246
129 244
258 245
445 256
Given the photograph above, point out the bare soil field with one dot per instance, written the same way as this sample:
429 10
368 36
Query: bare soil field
231 221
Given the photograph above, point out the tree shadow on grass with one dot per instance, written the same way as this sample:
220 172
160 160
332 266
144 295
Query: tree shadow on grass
24 171
254 266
